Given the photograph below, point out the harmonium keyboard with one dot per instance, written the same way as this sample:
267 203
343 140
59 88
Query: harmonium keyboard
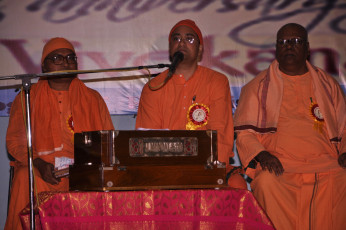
151 159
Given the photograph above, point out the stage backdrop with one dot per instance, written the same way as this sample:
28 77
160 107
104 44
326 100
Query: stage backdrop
239 39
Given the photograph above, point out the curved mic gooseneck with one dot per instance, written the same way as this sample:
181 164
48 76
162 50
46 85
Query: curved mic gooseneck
176 59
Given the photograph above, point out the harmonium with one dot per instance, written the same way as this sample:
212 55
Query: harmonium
150 159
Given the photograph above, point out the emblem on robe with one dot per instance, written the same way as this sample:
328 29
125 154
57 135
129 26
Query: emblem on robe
69 123
70 126
197 116
317 115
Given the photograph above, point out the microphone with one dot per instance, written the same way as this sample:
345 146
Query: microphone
177 58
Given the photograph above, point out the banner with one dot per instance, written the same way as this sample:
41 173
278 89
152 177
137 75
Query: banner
239 38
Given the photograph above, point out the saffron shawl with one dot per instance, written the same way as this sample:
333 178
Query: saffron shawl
260 101
87 107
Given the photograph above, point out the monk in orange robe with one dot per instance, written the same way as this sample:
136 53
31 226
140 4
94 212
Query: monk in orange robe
174 105
291 126
60 106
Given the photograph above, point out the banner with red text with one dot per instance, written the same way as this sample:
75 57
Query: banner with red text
239 38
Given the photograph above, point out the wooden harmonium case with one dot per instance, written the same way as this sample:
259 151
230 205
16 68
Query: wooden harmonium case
153 159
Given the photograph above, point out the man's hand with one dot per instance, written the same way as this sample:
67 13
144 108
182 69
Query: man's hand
342 160
270 162
46 171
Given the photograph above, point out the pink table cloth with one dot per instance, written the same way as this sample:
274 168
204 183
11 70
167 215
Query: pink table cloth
150 210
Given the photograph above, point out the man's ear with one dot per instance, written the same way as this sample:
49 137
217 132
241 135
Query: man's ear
200 53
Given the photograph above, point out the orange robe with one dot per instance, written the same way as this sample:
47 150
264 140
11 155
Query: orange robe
167 107
312 189
55 116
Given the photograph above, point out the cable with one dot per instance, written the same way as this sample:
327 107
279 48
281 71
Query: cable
154 88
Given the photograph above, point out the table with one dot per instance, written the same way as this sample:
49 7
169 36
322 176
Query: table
153 210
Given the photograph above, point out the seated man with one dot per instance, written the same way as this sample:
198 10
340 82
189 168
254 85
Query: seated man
191 87
60 106
291 120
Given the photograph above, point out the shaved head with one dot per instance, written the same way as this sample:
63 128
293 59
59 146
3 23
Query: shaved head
294 26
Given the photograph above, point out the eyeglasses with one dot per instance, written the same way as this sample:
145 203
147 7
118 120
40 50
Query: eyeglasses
178 39
291 41
58 59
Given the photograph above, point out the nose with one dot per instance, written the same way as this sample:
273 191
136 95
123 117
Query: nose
64 62
289 44
182 43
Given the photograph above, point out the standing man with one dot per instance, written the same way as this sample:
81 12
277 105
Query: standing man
195 98
291 123
60 106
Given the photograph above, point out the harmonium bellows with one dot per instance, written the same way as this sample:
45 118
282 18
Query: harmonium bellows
152 159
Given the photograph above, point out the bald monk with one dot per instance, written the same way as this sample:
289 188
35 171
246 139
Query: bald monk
195 98
60 106
291 124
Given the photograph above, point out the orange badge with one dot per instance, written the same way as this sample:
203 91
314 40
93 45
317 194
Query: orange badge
69 123
316 114
197 116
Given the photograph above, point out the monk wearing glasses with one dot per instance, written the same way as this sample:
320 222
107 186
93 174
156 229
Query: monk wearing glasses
60 106
290 122
195 97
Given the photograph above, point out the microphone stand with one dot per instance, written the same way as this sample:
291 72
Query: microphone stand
69 72
26 83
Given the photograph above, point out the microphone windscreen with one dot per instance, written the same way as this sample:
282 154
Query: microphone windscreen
178 55
177 58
